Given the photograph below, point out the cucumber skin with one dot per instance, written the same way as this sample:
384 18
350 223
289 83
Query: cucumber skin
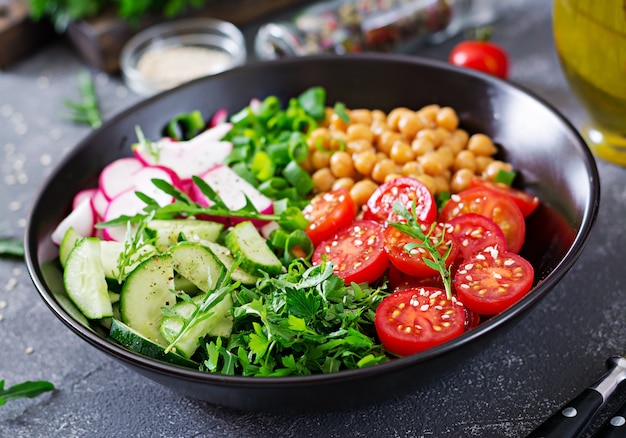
133 340
247 245
193 229
147 289
197 264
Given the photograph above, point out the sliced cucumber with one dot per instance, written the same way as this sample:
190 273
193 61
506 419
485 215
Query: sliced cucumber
133 340
196 263
70 238
247 245
84 279
111 250
223 255
220 323
147 289
168 231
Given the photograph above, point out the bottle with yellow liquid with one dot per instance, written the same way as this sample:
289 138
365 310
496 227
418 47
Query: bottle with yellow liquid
590 38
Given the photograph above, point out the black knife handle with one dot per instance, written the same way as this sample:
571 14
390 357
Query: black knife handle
572 418
615 425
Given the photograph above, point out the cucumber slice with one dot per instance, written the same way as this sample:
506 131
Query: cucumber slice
147 289
197 264
219 323
247 245
223 255
133 340
70 239
168 231
111 250
84 279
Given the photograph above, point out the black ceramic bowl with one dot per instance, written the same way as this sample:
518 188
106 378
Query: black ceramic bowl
551 157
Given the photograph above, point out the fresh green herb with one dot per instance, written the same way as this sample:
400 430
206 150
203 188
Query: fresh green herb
152 147
135 240
185 126
505 177
413 228
28 389
301 322
11 247
340 110
87 111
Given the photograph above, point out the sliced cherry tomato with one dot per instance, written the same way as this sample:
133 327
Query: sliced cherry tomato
405 190
416 319
492 281
412 262
327 213
493 205
399 280
526 202
356 251
481 55
475 232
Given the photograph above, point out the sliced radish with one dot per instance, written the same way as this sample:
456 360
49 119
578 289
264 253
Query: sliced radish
81 219
220 116
125 204
232 189
99 203
192 157
115 177
142 182
81 196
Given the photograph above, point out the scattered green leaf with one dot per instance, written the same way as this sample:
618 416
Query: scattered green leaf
28 389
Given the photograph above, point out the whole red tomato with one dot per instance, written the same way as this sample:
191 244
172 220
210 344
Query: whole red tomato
481 55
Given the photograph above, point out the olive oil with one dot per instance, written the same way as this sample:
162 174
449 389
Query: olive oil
590 38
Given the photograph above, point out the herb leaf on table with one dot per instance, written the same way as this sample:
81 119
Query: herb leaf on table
11 247
28 389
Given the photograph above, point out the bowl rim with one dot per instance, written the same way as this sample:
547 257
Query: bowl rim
530 300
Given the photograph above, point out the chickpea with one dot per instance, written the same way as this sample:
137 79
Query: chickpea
341 164
337 123
431 135
307 164
442 134
494 167
361 116
383 168
409 124
359 131
378 127
378 115
482 161
320 159
428 115
442 184
461 180
461 136
446 156
362 190
428 181
447 118
481 144
323 179
401 152
343 183
394 116
356 146
364 162
392 176
465 160
386 141
431 163
422 145
411 168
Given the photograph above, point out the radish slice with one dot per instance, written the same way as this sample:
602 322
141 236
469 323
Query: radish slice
115 177
233 190
142 182
81 219
220 116
99 203
192 157
126 203
81 196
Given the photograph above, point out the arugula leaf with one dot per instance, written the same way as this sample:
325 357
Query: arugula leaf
28 389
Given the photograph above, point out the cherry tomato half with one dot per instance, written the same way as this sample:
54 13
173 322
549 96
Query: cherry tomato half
416 319
356 251
526 202
493 205
412 262
492 281
405 190
481 55
327 213
475 232
399 280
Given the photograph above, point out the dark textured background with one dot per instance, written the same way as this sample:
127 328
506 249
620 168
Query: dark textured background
555 351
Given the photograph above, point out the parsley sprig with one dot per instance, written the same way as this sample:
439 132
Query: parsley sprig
28 389
435 260
303 321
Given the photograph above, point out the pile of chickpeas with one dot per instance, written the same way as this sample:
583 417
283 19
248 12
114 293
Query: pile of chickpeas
376 147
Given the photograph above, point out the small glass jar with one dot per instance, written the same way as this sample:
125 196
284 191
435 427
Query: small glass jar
342 26
169 54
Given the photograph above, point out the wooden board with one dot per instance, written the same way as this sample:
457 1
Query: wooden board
100 40
19 35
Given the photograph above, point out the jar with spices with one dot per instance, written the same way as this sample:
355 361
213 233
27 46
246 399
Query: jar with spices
344 26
